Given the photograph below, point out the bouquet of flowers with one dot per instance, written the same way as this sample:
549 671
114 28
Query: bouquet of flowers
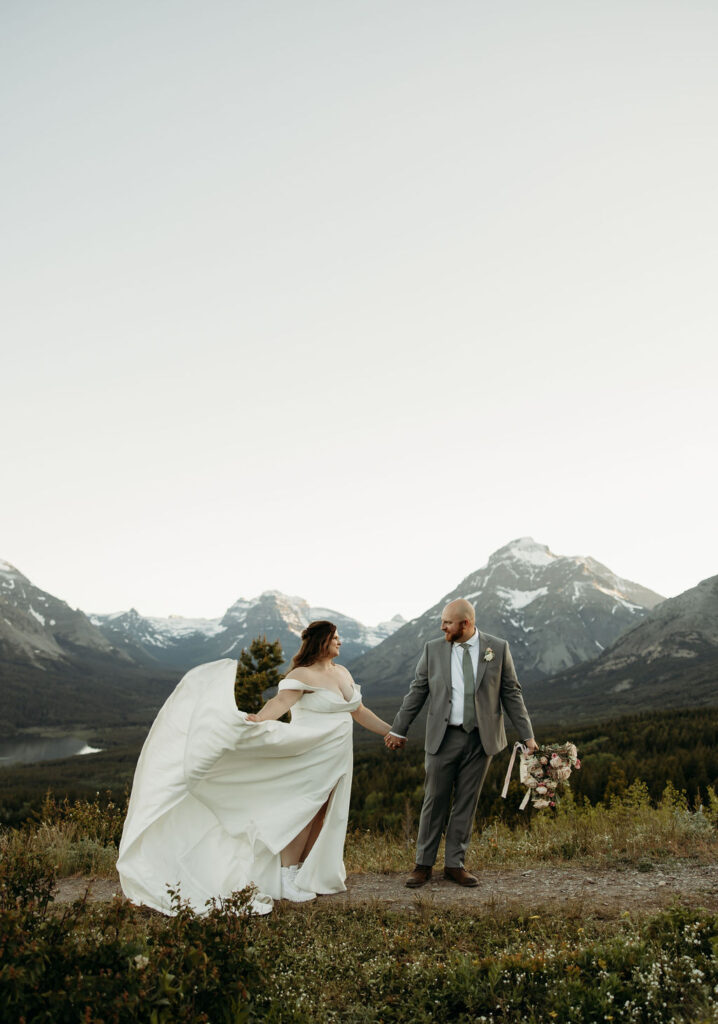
543 771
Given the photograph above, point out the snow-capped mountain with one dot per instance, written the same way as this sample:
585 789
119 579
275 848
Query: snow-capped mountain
58 667
38 627
180 643
555 610
175 641
670 659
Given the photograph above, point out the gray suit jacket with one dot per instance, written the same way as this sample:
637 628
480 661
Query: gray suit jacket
497 690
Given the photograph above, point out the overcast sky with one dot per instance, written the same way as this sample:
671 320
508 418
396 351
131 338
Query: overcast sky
338 297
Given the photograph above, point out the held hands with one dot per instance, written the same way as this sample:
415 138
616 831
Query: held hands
394 742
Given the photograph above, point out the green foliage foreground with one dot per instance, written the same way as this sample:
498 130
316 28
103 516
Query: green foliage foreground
320 962
116 963
112 962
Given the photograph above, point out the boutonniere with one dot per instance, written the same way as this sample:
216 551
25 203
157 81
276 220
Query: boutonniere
488 654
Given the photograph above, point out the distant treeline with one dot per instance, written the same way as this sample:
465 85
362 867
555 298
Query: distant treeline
680 747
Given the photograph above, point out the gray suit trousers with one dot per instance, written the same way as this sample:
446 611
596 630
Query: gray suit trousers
458 767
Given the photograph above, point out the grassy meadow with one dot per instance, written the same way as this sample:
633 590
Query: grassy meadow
108 961
644 800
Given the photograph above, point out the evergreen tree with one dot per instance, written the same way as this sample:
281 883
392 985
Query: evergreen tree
257 672
617 783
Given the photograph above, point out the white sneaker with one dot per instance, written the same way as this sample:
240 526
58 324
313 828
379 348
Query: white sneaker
290 889
261 905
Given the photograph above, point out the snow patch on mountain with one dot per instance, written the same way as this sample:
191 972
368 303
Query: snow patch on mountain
525 550
617 596
517 599
179 626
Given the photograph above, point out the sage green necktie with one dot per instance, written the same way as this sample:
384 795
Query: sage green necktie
469 690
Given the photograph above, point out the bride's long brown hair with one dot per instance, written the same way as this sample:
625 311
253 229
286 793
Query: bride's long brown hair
315 643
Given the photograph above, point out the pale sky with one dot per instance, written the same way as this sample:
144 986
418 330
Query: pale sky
336 298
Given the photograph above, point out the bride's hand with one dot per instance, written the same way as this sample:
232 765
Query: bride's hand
252 718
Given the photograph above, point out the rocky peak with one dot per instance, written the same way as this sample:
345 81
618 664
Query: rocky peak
524 550
40 626
555 610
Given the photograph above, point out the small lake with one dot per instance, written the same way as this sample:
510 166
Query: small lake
42 748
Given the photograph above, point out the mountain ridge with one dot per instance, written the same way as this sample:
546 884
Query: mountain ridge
557 611
60 666
42 628
670 659
39 626
627 648
176 642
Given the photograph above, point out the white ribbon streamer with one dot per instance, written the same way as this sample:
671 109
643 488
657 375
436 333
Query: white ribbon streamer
518 745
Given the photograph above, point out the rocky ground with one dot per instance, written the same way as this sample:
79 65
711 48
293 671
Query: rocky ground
576 890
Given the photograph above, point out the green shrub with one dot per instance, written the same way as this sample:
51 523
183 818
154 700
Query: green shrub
26 878
113 962
100 819
441 967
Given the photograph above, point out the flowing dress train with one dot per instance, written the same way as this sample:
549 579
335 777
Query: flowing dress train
215 798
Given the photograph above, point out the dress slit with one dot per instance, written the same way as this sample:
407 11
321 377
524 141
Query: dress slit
325 809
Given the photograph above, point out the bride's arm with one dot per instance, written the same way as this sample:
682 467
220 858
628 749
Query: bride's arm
370 721
276 706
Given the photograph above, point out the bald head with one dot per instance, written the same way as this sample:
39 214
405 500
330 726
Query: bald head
460 609
458 621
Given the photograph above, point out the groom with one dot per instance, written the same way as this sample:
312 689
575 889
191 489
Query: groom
468 678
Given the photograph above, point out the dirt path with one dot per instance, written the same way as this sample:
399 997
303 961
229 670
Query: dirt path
601 893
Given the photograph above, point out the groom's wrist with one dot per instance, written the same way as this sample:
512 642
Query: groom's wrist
397 734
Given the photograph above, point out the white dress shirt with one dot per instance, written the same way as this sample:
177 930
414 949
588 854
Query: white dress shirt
456 717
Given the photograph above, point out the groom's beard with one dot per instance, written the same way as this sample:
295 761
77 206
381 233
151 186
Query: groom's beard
452 635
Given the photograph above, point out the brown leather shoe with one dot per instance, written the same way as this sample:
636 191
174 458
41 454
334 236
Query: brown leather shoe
419 876
461 877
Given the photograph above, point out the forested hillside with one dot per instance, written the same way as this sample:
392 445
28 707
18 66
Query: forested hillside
91 691
679 747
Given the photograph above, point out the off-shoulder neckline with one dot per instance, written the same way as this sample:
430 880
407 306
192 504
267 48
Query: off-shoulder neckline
325 689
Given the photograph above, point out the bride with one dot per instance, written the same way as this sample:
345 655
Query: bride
222 799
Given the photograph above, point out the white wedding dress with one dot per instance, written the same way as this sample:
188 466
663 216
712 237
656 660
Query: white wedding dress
215 797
